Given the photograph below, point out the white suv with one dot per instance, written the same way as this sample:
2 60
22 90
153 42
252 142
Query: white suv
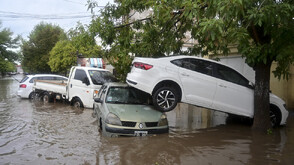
200 82
25 89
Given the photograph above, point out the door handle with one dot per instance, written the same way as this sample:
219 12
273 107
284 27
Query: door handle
185 74
70 85
222 85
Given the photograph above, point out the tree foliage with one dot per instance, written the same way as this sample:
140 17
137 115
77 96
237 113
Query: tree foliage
62 56
262 29
36 50
79 42
6 66
7 56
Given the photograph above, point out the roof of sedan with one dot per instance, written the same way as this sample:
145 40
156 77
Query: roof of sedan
186 56
174 57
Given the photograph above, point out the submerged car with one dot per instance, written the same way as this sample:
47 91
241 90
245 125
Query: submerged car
200 82
124 110
25 89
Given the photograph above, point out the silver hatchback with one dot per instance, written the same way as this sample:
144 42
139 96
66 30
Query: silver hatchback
124 110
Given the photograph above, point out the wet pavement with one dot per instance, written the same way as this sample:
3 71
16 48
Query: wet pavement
32 132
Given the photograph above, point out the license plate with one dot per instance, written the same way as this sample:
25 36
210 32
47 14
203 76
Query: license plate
141 133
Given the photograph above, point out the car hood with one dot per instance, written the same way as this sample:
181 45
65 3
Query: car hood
134 112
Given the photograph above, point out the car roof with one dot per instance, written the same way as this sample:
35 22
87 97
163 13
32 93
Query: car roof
174 57
45 75
185 56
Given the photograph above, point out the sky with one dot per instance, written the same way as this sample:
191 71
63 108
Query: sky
21 16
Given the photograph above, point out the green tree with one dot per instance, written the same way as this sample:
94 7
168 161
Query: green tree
263 30
62 57
7 56
36 50
7 66
80 41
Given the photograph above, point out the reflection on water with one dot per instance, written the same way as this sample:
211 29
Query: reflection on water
38 133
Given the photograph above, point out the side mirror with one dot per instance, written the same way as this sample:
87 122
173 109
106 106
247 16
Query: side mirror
251 85
97 100
86 81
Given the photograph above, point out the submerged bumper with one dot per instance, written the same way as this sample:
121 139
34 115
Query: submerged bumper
136 132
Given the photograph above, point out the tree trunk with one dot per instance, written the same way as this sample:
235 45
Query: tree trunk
261 97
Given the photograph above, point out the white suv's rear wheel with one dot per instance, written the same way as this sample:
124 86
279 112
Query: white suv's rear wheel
32 96
165 99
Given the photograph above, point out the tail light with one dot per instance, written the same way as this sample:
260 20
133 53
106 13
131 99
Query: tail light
22 85
142 65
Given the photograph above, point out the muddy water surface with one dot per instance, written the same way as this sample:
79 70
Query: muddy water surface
38 133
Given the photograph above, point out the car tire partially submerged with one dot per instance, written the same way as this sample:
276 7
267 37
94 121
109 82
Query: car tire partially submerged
77 103
275 116
32 95
47 98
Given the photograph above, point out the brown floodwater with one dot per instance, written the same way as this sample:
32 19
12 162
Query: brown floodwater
32 132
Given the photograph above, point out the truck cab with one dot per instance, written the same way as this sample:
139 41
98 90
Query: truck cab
84 84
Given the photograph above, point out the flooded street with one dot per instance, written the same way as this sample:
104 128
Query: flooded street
32 132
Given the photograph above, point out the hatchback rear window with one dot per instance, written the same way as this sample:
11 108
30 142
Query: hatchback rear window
24 79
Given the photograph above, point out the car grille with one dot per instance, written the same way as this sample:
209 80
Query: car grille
133 124
151 124
128 124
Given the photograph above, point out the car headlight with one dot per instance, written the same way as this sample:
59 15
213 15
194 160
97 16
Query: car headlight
95 93
163 120
113 119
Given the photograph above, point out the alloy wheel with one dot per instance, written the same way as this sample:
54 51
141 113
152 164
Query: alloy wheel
273 118
166 99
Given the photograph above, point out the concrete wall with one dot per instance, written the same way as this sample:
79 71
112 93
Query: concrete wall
188 117
284 88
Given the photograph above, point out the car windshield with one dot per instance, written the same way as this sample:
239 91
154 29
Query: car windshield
99 77
127 95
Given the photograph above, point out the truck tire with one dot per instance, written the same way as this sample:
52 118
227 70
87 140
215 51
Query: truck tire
47 98
77 103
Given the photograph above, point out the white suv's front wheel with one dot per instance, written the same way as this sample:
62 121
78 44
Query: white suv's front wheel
165 99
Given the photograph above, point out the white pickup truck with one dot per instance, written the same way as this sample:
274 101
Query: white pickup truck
80 89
